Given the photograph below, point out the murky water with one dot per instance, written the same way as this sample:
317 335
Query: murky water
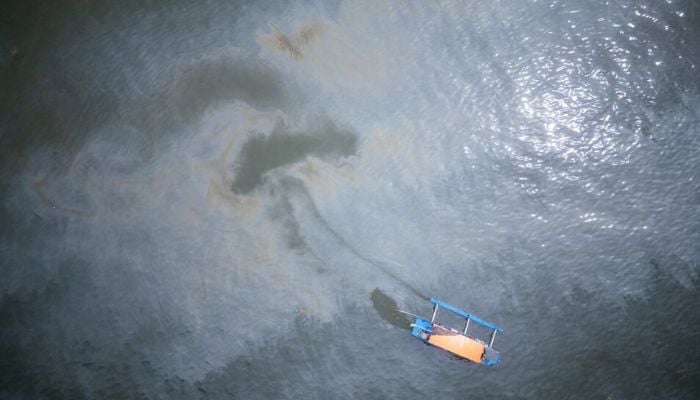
229 199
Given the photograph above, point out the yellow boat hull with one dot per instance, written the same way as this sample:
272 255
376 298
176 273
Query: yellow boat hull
459 345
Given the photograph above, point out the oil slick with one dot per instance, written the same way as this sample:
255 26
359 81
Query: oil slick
387 309
262 153
294 45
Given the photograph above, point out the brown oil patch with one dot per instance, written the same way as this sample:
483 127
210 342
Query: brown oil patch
220 186
324 177
218 169
295 44
162 176
242 205
309 170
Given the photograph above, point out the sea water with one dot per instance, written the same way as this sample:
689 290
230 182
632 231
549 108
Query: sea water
213 199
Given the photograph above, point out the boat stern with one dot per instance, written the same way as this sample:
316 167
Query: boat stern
422 329
490 357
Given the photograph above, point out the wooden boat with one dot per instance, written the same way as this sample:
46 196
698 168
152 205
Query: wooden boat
457 342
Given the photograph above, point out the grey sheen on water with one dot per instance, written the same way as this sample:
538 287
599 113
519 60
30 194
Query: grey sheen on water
231 199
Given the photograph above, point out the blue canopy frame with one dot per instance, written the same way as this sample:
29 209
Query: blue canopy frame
465 314
469 317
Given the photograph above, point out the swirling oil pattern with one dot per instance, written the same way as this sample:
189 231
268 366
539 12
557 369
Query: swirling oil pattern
230 199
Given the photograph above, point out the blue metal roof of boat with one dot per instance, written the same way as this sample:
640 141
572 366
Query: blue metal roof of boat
466 315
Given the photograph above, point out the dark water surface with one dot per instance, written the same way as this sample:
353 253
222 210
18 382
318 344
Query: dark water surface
215 199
